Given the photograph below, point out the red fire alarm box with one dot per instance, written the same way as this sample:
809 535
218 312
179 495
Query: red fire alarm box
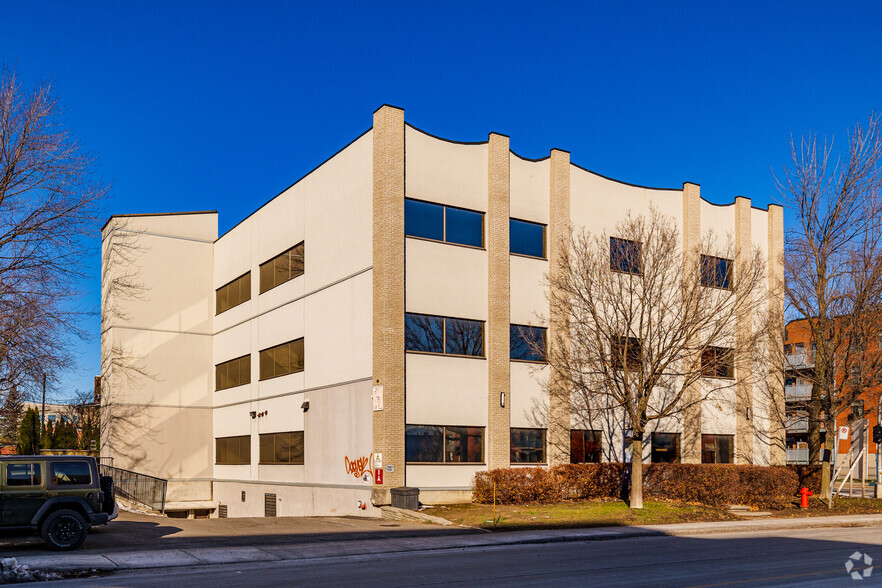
378 476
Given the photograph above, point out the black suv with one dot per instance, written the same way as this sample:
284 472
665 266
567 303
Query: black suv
57 496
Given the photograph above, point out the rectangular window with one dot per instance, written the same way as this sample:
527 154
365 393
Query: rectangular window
526 238
281 268
665 447
527 343
70 473
718 362
857 410
716 272
235 372
717 448
437 444
585 446
437 334
233 294
627 351
285 448
24 474
443 223
281 360
624 256
528 446
232 450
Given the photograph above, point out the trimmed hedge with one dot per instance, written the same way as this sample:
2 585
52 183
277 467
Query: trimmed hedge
709 484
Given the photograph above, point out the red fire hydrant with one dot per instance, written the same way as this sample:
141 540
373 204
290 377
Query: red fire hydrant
803 502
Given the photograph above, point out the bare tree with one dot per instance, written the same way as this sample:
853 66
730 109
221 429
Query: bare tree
833 271
48 205
647 330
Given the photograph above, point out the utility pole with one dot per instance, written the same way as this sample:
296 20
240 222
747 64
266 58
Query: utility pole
43 412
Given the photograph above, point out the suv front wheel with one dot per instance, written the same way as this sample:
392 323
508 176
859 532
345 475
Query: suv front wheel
64 529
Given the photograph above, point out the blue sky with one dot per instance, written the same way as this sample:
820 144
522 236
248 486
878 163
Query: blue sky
220 105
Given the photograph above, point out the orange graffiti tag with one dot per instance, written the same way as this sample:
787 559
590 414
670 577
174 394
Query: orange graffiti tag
359 466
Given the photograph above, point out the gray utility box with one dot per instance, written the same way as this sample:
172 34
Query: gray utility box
405 497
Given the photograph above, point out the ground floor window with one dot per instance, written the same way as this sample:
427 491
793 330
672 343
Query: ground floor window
584 446
442 444
528 446
232 450
717 448
282 448
665 447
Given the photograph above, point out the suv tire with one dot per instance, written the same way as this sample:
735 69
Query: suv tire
64 529
106 483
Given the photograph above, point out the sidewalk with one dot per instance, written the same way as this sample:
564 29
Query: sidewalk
409 542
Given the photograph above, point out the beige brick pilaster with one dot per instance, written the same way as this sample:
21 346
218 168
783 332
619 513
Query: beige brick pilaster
776 308
691 447
388 294
558 331
744 434
499 310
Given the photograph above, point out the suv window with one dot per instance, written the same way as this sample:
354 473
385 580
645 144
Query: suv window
69 473
24 474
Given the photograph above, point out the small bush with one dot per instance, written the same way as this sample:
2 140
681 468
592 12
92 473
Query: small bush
715 485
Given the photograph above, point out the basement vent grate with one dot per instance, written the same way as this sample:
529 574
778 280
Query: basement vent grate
269 505
221 511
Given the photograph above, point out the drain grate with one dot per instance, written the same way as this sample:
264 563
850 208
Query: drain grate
269 505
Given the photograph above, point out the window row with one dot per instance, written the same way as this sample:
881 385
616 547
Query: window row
449 224
275 448
278 270
453 336
280 360
716 362
627 257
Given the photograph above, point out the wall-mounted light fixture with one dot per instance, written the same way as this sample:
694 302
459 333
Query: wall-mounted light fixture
305 405
253 414
748 413
502 399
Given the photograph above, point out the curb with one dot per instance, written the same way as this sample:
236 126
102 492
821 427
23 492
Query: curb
220 555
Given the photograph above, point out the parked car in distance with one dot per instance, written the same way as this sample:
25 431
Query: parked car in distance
58 497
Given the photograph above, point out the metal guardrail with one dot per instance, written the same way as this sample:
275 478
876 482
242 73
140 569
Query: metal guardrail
798 424
800 359
146 490
105 461
797 456
798 392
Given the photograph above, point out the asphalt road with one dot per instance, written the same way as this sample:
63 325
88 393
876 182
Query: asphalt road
810 557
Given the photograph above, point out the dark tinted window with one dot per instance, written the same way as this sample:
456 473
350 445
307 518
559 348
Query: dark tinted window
423 443
627 350
233 294
464 227
718 362
423 332
281 268
463 444
584 446
423 219
526 238
438 334
282 448
717 448
443 223
464 337
716 272
527 343
230 374
70 473
24 474
665 447
624 256
283 359
528 446
233 450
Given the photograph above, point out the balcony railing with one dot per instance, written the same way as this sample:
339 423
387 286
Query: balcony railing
800 359
797 424
798 392
797 456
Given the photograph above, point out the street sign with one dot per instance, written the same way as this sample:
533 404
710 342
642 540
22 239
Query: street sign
843 433
378 461
378 477
377 397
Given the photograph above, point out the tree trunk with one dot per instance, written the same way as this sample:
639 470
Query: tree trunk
826 463
636 499
814 441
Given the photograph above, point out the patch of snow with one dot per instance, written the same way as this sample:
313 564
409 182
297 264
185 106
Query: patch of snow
11 571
